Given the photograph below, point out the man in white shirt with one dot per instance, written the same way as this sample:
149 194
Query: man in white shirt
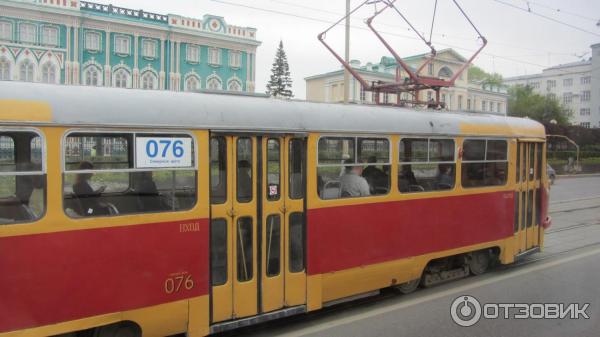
353 184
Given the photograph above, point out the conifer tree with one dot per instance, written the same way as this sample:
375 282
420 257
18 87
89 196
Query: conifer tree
280 84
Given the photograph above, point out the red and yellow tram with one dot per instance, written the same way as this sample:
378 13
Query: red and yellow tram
129 212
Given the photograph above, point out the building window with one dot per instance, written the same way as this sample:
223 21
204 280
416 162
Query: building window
491 106
585 112
50 36
585 96
235 59
567 98
468 104
534 85
363 94
149 48
4 69
214 56
234 85
430 69
585 124
499 107
585 80
193 53
149 81
92 41
567 82
6 31
483 106
192 84
27 33
459 102
429 96
121 79
48 73
551 84
92 77
551 96
445 72
26 69
386 98
214 83
122 45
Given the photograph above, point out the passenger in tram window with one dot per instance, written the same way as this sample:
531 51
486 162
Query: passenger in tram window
87 196
374 176
445 178
352 184
244 180
406 179
148 198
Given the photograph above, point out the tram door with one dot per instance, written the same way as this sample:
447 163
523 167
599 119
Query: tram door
527 202
257 225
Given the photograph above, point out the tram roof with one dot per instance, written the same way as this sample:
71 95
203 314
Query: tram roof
93 106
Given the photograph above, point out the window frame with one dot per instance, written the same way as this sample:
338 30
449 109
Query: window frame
356 137
42 172
211 61
147 45
455 161
35 29
134 134
10 37
116 44
88 46
188 53
235 55
485 160
46 29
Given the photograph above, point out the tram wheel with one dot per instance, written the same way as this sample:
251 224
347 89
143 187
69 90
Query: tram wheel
409 287
479 262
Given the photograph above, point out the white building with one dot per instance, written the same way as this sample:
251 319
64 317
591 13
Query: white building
576 85
466 95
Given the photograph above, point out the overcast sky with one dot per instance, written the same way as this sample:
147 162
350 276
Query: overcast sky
519 42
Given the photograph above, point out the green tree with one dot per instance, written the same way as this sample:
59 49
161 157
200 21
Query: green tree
478 74
523 102
280 84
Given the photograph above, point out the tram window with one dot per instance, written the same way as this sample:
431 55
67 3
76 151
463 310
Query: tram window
296 168
218 251
353 167
22 177
530 208
273 235
218 170
102 178
297 242
484 168
244 170
539 148
244 249
426 164
516 218
273 169
532 161
518 169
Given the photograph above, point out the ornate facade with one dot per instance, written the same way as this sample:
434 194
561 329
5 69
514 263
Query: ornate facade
84 43
466 95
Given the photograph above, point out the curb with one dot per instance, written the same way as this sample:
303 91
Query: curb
584 175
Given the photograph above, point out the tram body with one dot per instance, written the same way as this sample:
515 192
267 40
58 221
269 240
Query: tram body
250 221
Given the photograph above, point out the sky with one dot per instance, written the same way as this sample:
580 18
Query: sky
520 41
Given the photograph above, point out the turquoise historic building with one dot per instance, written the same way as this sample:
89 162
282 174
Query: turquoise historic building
85 43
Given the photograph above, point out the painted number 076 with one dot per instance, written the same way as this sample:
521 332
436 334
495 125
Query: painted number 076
162 147
174 284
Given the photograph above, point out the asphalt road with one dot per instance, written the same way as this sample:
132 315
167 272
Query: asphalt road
567 271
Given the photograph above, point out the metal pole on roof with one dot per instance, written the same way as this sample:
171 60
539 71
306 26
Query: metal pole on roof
347 55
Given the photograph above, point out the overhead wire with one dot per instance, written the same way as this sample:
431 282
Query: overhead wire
273 11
